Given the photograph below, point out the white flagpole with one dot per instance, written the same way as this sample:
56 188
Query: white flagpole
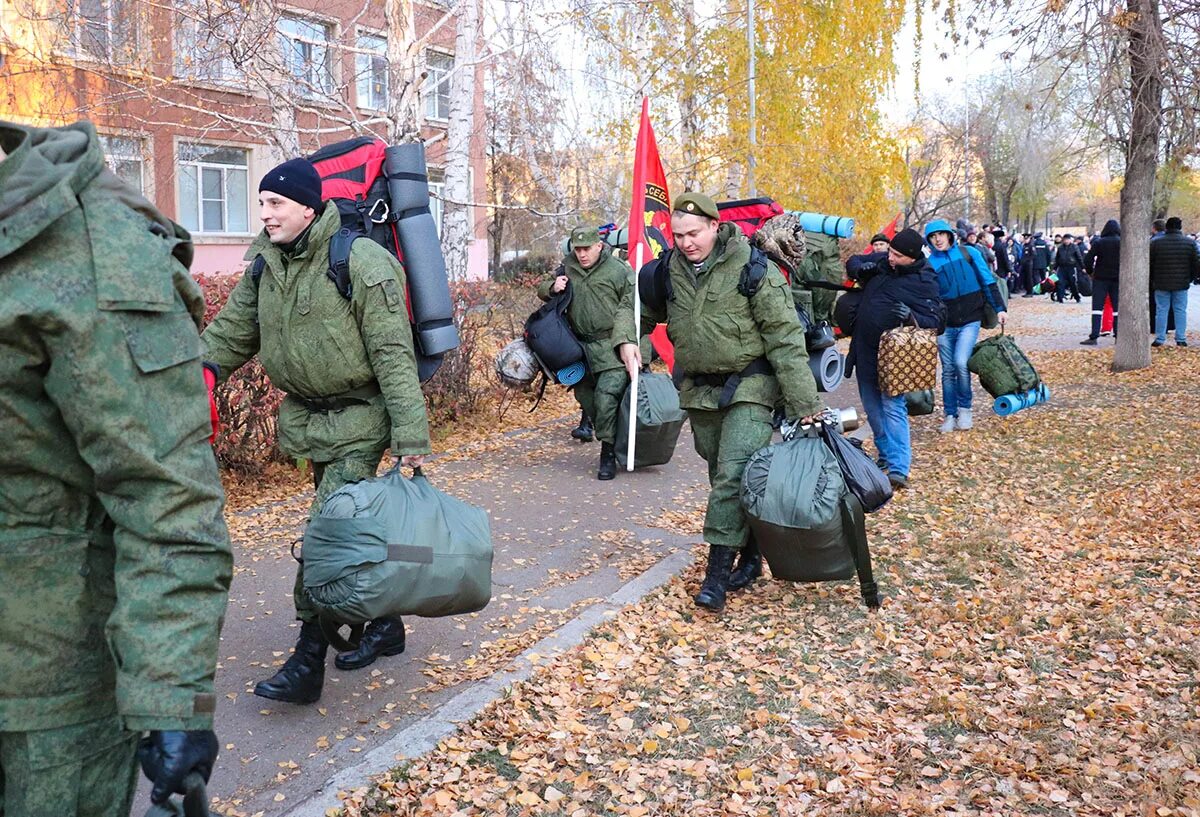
637 335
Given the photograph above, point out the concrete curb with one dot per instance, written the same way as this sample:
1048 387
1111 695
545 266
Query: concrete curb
424 735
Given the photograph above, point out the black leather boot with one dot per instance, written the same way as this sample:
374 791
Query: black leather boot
749 566
584 431
383 636
300 679
608 462
716 578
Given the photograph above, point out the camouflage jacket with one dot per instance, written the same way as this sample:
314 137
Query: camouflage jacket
596 297
315 343
718 330
113 549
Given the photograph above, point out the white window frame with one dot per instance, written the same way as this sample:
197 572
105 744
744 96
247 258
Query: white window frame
364 70
200 166
206 65
74 24
429 90
305 86
137 154
437 205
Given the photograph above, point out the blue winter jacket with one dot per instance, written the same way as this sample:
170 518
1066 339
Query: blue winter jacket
963 280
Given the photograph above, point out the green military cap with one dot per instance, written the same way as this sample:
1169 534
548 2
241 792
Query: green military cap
584 236
696 204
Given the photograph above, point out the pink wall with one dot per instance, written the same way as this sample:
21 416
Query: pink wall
215 259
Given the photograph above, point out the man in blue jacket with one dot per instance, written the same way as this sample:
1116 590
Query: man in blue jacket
965 283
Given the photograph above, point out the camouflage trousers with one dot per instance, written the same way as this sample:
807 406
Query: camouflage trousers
600 396
84 770
726 439
327 478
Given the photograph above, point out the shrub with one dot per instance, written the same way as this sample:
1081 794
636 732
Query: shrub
247 403
528 270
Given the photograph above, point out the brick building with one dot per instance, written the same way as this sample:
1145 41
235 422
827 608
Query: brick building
188 96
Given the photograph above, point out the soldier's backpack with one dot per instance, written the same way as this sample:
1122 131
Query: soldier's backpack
354 177
659 421
392 546
807 524
1002 367
549 334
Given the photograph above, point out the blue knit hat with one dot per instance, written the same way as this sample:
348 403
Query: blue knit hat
295 179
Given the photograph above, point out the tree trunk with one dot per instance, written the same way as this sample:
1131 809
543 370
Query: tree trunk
1145 58
456 214
404 78
689 113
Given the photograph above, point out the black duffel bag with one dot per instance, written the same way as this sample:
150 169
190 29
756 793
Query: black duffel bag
549 334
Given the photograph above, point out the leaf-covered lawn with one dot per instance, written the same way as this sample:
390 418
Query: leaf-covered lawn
1038 651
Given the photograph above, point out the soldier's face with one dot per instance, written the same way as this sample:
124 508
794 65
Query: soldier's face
588 256
695 236
283 218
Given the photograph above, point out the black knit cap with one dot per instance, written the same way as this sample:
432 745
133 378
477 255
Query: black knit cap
295 179
878 237
909 243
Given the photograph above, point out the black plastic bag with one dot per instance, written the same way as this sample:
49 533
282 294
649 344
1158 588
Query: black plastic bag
863 477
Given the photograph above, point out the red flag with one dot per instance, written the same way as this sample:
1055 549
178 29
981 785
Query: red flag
893 227
650 214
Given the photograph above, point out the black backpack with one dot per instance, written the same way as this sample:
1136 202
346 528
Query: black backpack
654 278
549 334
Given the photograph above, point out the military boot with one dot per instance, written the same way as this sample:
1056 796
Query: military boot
716 578
608 462
300 679
749 566
584 431
383 636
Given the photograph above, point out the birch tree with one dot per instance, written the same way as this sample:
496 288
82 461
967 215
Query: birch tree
456 214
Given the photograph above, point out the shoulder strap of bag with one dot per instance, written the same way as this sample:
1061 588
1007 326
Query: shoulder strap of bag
854 523
256 268
339 259
753 274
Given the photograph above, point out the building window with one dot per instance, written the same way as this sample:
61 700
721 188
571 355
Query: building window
204 43
305 47
437 189
104 30
437 85
213 193
372 72
125 158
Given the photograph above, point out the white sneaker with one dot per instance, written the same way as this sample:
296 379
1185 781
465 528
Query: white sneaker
964 419
948 425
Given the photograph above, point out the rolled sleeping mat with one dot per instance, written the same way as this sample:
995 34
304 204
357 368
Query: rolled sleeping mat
408 180
1007 404
570 375
428 288
837 226
828 368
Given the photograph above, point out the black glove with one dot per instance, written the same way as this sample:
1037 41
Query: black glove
901 313
167 758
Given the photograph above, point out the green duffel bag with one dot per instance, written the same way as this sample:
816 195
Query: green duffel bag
659 421
1002 366
919 403
792 494
392 546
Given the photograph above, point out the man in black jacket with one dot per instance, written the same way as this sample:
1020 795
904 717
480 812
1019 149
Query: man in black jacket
1174 265
1038 258
1103 263
1067 261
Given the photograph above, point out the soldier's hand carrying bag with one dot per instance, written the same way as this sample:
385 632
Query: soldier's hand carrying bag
392 546
908 359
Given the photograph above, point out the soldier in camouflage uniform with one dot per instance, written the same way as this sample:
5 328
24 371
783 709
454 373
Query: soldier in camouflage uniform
600 282
113 549
720 334
348 368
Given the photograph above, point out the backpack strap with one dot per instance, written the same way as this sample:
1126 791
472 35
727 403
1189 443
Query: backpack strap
654 282
754 273
339 259
256 268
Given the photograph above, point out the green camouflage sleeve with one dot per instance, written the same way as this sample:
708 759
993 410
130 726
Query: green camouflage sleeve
775 315
380 308
232 337
128 383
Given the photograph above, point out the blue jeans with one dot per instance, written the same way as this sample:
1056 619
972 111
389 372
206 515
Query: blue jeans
954 347
888 418
1176 301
